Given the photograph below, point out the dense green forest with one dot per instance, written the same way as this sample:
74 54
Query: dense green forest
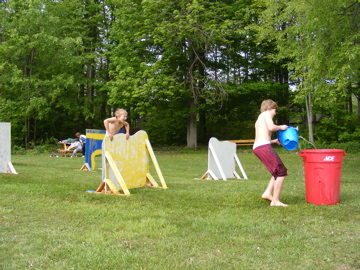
184 70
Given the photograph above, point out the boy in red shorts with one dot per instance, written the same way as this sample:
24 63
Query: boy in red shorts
264 126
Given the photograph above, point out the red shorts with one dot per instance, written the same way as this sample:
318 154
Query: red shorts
271 160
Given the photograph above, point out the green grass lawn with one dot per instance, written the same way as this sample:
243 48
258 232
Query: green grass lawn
48 221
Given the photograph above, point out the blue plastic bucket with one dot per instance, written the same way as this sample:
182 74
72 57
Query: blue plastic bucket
288 138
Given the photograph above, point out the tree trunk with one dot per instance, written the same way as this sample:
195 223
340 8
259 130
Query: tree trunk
201 101
350 106
358 101
191 127
309 115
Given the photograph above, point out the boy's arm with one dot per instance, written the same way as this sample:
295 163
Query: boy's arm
107 128
127 129
271 126
276 141
106 125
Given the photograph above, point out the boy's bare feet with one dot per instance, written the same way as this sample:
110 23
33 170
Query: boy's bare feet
267 197
278 204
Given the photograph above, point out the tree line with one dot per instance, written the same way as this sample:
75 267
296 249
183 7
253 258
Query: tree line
184 70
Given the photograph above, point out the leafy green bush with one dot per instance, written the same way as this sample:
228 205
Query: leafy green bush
344 128
166 127
18 150
46 148
350 136
35 150
348 147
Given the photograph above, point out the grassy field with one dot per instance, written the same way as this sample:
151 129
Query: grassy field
48 221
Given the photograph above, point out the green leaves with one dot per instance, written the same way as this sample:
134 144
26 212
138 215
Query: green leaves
218 59
319 39
49 53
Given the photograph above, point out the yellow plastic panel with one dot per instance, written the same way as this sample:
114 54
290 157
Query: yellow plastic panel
130 157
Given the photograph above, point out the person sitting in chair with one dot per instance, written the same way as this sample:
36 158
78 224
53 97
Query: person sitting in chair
76 145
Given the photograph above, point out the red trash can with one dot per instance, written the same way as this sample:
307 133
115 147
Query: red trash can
322 169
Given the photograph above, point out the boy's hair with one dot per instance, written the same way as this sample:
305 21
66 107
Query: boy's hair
120 112
76 139
268 104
